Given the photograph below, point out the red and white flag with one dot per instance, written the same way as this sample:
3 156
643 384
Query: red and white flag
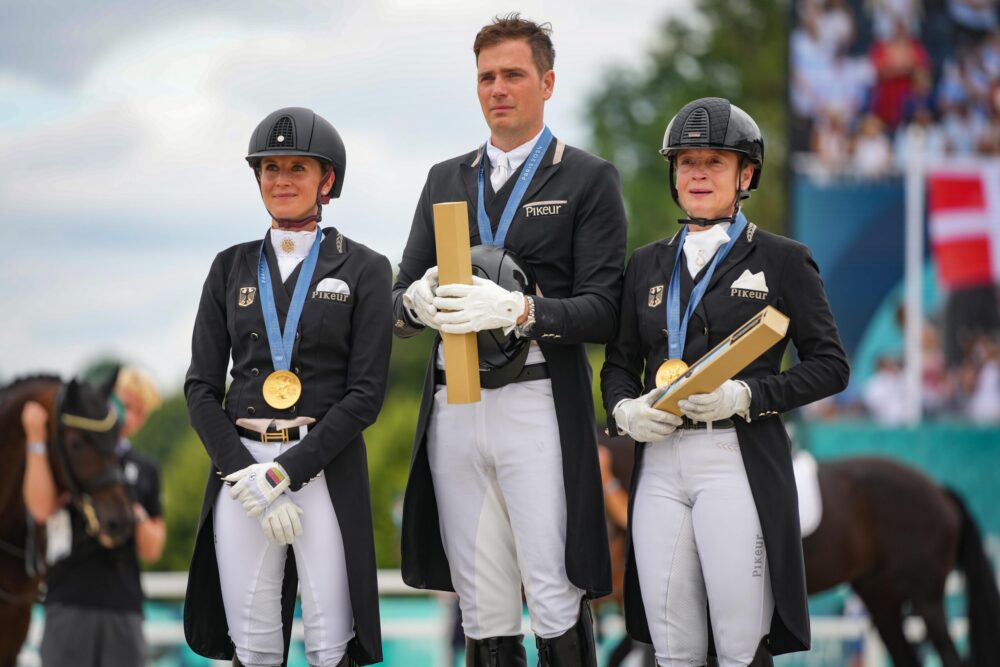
963 218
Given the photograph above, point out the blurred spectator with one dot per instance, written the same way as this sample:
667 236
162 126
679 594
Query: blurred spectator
951 87
836 25
936 388
973 19
888 15
920 97
886 396
831 143
963 130
896 61
872 151
969 313
989 52
810 64
920 138
844 87
989 140
980 377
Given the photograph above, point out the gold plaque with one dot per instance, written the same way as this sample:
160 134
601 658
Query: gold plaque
759 334
454 258
670 370
282 389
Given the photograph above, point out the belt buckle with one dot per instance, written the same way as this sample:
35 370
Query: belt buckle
275 436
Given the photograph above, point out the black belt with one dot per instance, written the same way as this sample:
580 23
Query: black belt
274 434
693 425
528 373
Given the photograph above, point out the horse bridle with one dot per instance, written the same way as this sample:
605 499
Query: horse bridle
80 491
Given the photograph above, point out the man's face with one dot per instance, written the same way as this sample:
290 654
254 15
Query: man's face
512 93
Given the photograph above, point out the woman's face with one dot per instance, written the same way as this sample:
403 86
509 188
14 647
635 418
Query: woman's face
706 181
288 184
135 412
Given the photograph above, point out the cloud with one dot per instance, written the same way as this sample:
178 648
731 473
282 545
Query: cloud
126 143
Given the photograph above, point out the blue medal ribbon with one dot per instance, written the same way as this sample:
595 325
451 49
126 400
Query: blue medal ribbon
676 329
281 343
530 166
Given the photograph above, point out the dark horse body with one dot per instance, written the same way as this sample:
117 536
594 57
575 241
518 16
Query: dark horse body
895 535
83 466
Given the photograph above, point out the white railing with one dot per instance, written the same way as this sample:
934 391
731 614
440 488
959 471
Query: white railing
172 585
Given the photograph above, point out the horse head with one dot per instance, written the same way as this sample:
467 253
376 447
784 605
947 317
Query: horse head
85 463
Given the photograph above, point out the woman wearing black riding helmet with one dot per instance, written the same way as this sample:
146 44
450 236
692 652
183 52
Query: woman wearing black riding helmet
305 318
714 518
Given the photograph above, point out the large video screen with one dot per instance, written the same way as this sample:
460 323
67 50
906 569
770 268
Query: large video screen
877 86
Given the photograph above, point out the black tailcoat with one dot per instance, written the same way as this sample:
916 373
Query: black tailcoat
793 287
341 354
570 229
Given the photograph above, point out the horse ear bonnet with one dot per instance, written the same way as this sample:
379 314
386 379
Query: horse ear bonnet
107 387
72 389
87 408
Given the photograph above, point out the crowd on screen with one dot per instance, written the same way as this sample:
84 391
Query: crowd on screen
874 82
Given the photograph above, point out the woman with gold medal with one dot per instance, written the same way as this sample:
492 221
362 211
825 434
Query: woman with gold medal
715 553
304 316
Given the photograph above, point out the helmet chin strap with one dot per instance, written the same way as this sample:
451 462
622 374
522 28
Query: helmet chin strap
321 198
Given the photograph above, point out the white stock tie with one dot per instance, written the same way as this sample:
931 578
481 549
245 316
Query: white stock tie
500 173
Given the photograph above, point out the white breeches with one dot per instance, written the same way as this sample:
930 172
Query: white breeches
697 539
251 570
498 480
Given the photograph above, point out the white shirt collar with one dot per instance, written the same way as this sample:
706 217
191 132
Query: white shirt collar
516 156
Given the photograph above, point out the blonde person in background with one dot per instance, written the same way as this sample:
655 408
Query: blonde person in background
93 604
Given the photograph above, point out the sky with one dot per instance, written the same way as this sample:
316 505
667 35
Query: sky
124 126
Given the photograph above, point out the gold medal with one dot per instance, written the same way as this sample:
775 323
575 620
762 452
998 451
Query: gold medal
282 389
669 371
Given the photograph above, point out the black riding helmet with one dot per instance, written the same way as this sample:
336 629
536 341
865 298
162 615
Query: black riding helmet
501 357
300 131
714 122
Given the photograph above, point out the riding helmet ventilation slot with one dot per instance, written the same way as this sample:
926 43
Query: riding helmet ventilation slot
696 127
282 134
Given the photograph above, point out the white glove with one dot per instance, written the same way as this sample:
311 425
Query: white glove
280 522
419 298
731 398
258 485
639 419
481 306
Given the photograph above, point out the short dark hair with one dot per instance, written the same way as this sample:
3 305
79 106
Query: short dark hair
512 26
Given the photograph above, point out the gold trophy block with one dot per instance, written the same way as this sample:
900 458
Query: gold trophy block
726 359
454 257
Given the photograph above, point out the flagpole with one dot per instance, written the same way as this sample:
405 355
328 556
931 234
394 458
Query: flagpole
914 261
